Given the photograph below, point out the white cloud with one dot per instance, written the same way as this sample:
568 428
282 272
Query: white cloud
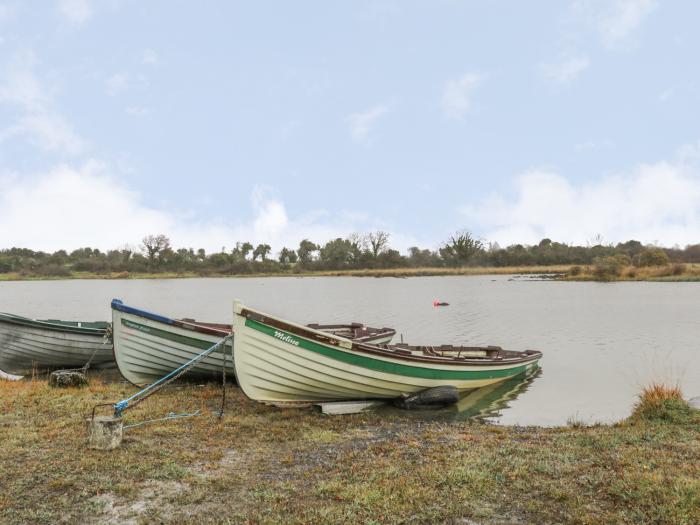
116 84
616 21
591 145
39 122
81 205
625 17
457 95
20 85
566 70
150 57
666 94
48 131
76 11
138 111
655 202
6 13
121 82
361 123
88 206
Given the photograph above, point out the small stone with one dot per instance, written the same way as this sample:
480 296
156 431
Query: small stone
105 432
695 403
67 378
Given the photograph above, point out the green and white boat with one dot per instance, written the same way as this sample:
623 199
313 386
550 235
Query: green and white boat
148 346
28 345
283 363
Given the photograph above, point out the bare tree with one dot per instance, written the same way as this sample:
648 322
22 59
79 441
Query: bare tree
154 245
378 242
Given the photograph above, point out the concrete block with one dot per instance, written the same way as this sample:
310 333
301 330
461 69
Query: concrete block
105 432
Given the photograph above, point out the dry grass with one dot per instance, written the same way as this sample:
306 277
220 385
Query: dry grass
386 272
676 272
658 393
667 273
659 401
264 465
671 272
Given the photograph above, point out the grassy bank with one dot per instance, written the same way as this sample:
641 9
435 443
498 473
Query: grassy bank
390 272
666 273
266 465
670 273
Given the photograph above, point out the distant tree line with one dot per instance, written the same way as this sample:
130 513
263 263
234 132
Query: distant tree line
357 251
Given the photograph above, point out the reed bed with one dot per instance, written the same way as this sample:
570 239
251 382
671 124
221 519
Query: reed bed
672 272
379 272
666 273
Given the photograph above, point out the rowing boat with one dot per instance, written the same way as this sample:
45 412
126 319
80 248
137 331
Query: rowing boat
284 363
148 345
28 345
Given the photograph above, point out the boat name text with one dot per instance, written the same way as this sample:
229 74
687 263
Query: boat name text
286 338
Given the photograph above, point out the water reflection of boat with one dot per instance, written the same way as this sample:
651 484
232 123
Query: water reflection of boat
488 401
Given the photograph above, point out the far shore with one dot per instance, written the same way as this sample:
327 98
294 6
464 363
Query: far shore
564 272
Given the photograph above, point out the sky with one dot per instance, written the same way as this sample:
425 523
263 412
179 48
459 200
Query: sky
217 122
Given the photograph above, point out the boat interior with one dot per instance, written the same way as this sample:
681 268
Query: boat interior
455 352
356 331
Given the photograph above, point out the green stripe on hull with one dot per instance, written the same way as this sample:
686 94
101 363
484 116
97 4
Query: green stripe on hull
386 366
201 344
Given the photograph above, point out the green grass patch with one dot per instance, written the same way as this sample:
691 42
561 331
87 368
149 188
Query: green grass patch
263 465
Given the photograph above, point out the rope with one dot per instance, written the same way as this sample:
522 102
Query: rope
83 369
223 383
171 415
151 389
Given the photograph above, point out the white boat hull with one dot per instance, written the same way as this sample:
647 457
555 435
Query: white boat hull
146 349
279 367
24 349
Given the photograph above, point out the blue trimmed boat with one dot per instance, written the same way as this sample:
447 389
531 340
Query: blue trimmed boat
283 363
147 345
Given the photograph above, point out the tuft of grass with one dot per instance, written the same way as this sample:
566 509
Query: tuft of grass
660 402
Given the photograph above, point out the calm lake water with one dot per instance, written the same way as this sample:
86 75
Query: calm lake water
601 341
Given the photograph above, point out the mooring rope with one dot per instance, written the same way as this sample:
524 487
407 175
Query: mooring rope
83 369
171 415
151 389
223 383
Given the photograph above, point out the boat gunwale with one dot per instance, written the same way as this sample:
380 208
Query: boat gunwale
54 326
211 328
367 348
124 309
205 328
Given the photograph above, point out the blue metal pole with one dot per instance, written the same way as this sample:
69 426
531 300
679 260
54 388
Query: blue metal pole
124 403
